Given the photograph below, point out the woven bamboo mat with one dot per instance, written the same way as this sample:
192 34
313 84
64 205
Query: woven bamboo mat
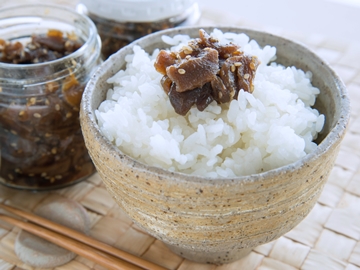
329 238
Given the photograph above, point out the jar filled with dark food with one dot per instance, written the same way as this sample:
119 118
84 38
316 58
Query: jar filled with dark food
47 54
120 22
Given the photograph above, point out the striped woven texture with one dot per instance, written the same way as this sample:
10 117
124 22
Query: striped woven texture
328 238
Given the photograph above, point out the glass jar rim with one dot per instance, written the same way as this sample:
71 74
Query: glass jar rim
92 35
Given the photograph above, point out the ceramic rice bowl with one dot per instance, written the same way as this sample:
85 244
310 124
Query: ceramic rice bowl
219 220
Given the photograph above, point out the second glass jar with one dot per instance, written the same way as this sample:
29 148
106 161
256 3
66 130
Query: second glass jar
120 22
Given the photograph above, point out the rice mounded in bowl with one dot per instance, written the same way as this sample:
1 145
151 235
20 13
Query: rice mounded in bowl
269 128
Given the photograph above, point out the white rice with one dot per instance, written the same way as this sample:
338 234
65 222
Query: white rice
270 128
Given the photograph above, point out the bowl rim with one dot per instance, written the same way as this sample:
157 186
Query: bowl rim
335 134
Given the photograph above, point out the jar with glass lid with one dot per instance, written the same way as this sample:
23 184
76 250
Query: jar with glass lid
120 22
47 55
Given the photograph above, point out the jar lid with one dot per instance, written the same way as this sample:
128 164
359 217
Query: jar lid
137 10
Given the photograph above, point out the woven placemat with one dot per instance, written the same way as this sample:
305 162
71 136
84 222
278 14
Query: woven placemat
328 238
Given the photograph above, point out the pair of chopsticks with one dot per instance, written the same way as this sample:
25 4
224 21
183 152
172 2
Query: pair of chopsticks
81 244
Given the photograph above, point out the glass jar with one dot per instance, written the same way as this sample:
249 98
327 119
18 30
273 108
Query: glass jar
120 22
40 136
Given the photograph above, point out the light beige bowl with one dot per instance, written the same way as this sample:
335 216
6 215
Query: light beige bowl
218 220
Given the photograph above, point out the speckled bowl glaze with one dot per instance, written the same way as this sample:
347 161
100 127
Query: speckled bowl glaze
218 220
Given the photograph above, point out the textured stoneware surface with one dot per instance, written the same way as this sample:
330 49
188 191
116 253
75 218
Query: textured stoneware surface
218 220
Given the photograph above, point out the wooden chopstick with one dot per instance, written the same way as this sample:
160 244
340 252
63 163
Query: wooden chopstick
79 237
106 260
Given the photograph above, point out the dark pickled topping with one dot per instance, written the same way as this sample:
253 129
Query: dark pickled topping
166 84
203 71
183 101
165 60
41 141
186 73
225 50
246 69
219 91
237 73
41 48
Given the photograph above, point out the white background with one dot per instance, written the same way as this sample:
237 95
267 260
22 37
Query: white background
339 19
